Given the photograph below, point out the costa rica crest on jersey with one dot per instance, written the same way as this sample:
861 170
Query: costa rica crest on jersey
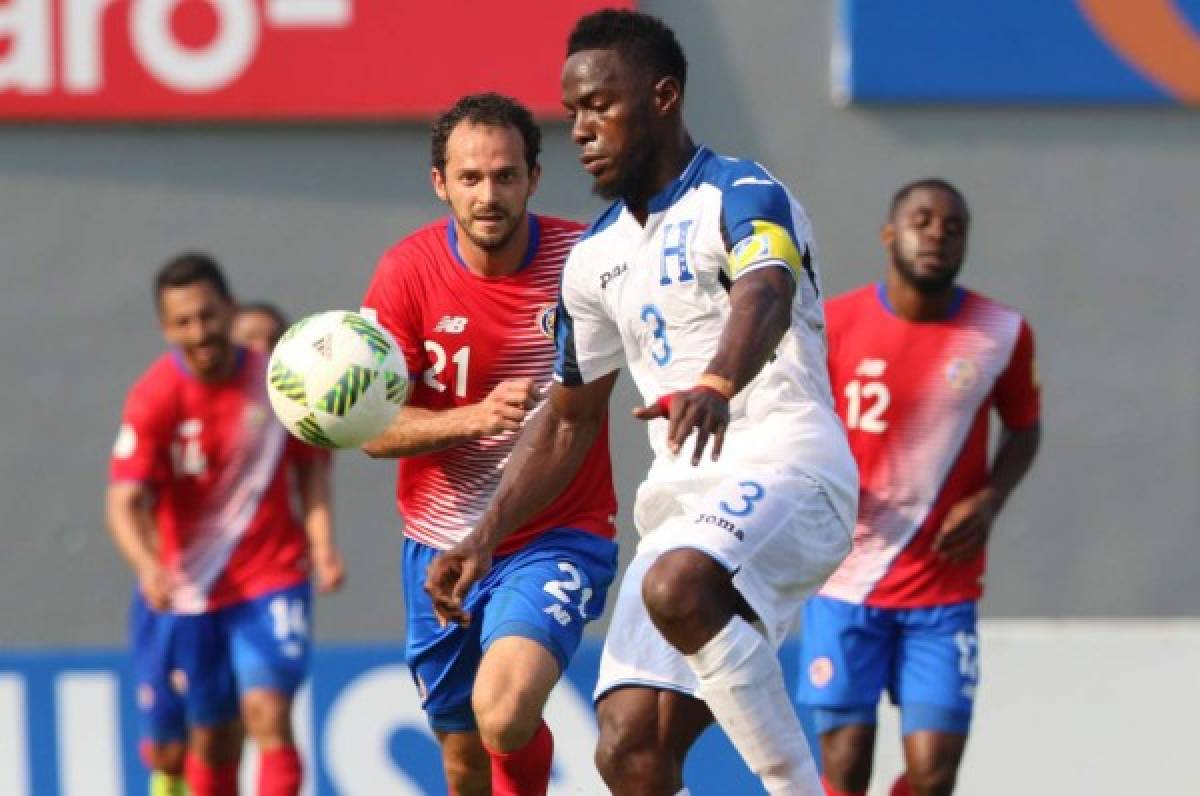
962 373
545 320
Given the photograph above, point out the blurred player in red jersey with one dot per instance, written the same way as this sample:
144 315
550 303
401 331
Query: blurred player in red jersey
258 326
917 364
199 506
471 300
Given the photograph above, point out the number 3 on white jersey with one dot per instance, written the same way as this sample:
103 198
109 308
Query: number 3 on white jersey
870 418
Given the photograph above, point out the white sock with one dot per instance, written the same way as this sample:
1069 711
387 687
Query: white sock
742 683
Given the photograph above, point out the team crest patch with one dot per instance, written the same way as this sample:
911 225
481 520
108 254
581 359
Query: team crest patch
145 696
545 320
962 373
820 672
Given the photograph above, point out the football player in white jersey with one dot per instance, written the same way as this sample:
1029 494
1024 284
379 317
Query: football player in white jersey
701 276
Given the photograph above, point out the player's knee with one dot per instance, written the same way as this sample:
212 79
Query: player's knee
846 761
683 588
505 722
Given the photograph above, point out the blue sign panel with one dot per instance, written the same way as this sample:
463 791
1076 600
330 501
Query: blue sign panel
68 726
1018 51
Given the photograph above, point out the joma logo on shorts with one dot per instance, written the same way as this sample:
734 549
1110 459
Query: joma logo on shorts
609 276
723 524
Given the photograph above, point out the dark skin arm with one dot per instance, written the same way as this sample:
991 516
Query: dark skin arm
548 453
760 314
968 524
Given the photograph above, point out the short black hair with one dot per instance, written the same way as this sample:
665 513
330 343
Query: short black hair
642 40
936 183
190 268
493 110
266 308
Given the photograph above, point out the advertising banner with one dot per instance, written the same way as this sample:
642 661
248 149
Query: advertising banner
69 726
187 60
1018 51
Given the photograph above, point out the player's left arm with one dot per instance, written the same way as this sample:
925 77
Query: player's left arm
315 485
764 260
968 524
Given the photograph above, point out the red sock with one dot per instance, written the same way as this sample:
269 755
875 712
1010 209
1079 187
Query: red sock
205 780
832 791
525 771
900 787
280 772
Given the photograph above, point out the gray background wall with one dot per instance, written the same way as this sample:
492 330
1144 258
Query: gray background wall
1085 220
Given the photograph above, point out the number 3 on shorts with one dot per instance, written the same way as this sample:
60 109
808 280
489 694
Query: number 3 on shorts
752 492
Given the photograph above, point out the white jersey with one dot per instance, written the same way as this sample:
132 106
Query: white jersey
657 297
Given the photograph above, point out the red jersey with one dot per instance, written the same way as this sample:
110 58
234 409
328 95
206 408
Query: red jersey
915 399
462 334
218 464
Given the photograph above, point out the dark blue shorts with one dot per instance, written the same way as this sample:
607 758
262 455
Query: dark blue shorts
160 708
215 657
926 658
546 591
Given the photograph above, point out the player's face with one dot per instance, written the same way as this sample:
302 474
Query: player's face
612 112
258 331
486 182
927 239
196 319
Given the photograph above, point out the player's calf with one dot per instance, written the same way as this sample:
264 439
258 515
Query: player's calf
644 738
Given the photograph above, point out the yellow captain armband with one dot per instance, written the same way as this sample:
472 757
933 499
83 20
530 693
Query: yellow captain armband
769 242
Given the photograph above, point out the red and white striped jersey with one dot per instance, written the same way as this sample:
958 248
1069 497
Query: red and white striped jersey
462 334
915 398
217 462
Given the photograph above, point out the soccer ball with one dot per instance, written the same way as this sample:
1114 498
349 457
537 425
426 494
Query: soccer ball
336 379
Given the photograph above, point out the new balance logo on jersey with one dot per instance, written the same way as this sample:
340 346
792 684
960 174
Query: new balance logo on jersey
451 324
871 368
609 276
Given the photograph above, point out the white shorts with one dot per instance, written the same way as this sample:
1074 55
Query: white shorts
776 532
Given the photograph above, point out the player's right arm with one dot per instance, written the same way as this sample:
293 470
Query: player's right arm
394 298
131 525
140 459
416 430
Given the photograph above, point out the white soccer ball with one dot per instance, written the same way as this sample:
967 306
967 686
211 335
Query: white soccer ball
337 379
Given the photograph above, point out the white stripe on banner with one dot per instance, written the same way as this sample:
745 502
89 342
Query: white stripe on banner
88 736
14 746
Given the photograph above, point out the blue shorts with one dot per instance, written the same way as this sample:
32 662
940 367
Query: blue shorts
160 708
926 658
546 591
260 643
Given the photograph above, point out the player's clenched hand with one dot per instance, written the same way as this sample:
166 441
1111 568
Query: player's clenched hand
968 524
155 584
451 575
329 570
700 409
505 407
